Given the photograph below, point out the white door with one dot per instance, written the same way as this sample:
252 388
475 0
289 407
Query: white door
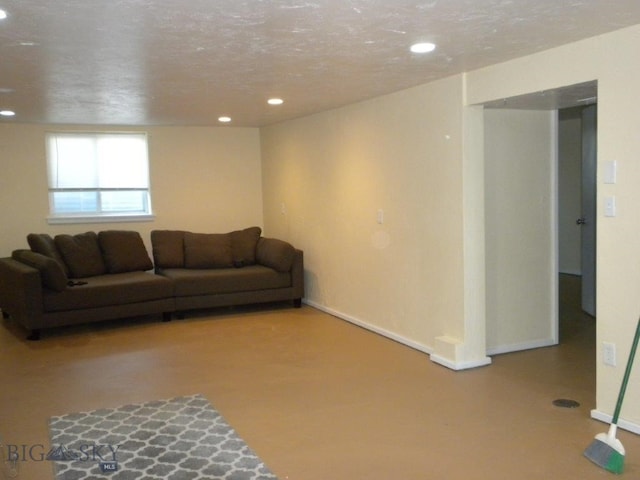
589 216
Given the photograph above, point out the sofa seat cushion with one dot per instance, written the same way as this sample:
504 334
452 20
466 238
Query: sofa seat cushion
189 282
109 289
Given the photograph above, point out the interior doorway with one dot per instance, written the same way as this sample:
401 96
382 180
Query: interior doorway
582 97
577 227
588 219
577 193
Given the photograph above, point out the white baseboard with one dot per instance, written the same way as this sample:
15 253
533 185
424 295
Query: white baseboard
625 425
460 365
425 349
372 328
517 347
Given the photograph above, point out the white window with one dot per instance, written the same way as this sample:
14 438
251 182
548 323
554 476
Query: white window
98 177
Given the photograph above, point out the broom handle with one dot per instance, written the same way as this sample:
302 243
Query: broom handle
627 372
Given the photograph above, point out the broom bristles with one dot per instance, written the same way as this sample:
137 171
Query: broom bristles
605 456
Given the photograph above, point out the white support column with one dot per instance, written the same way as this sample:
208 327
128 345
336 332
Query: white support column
467 348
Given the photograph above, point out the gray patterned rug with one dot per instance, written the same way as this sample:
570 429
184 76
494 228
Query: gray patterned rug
183 438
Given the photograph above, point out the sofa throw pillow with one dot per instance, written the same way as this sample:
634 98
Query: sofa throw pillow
124 251
52 275
82 254
207 250
243 246
43 243
276 254
168 248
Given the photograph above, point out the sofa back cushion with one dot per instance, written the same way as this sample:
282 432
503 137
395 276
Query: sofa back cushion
44 244
243 246
124 251
276 254
207 250
82 254
52 274
168 248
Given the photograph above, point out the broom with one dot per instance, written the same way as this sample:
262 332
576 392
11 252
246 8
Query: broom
606 450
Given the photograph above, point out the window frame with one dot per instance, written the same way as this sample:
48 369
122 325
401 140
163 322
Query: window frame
101 216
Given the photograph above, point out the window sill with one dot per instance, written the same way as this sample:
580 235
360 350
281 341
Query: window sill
59 220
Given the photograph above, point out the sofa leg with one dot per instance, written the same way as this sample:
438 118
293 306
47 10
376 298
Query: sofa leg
166 316
34 336
297 302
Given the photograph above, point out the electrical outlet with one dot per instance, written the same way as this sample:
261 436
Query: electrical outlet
609 353
609 206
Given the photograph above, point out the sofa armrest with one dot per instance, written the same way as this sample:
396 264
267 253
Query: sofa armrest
21 293
297 274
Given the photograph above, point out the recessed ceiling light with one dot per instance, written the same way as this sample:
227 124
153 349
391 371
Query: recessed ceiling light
7 113
3 14
275 101
424 47
224 119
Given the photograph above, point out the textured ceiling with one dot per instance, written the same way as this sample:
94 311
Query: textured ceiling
187 62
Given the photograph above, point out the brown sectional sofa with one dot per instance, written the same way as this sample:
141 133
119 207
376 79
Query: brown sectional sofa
89 277
213 270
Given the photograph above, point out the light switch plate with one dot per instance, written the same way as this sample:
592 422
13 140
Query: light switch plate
609 353
610 172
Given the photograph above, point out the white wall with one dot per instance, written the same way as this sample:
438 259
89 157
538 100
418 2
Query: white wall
520 206
333 171
202 179
569 190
